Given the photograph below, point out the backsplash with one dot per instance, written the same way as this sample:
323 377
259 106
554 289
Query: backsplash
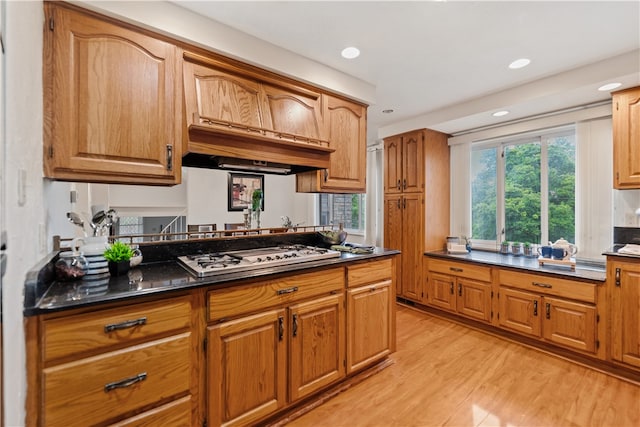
624 235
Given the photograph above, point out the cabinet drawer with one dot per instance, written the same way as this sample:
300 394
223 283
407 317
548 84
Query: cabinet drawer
460 269
571 289
101 329
173 414
246 299
371 272
93 390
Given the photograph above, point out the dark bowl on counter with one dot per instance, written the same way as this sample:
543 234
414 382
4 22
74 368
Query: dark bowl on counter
331 237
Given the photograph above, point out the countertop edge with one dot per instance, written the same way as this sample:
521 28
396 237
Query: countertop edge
529 265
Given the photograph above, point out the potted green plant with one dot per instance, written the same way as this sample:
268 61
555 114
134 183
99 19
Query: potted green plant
118 255
504 247
527 249
516 248
256 205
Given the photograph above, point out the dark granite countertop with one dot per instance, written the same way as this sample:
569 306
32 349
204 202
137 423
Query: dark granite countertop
589 272
46 296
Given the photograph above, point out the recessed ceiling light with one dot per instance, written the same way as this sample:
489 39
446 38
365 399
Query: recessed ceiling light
500 113
609 86
519 63
388 111
350 52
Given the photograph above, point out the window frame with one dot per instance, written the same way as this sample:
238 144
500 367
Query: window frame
542 137
362 219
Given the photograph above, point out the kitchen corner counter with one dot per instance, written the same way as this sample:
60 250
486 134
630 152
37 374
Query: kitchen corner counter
582 272
45 295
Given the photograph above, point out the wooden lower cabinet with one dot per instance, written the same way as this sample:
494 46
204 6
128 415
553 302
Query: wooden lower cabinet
369 323
623 275
246 368
562 322
126 365
449 287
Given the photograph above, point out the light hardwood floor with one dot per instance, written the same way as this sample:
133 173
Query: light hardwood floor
446 374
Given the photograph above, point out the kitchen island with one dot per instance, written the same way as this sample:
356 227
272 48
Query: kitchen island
161 345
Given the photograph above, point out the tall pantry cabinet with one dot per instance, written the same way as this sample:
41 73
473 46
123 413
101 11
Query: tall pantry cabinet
416 202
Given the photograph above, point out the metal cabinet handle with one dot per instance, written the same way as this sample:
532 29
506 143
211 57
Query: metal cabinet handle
399 204
404 203
535 308
280 328
127 382
456 269
295 325
459 289
326 175
548 310
125 325
169 157
404 183
398 185
451 288
287 291
617 276
542 285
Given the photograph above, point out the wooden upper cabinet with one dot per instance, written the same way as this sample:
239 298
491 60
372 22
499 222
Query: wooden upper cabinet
404 163
294 115
221 99
626 138
112 102
345 125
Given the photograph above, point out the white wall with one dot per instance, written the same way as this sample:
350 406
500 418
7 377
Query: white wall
25 202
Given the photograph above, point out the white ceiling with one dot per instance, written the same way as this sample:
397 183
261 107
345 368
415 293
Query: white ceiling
443 64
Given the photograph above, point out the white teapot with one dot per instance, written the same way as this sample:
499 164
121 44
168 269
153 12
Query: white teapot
570 249
90 246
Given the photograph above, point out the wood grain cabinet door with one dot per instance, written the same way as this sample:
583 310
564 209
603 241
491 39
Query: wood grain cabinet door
393 165
570 324
626 138
441 291
473 299
317 338
393 232
220 99
347 134
624 282
413 162
520 311
412 245
113 99
294 115
246 368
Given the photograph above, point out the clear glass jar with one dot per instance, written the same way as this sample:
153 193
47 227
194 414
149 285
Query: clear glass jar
71 266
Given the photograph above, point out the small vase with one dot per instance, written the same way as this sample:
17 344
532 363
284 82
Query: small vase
119 268
256 217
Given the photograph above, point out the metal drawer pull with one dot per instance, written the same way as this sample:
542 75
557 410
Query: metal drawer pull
456 269
617 276
451 288
125 325
280 328
541 285
127 382
548 306
460 289
295 325
535 308
287 291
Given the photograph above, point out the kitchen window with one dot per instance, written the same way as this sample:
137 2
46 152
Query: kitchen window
348 209
523 190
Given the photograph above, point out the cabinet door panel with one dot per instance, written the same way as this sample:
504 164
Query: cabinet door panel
570 324
293 114
412 245
474 299
115 103
393 232
347 134
246 368
220 99
441 292
626 136
369 324
317 345
624 280
413 162
520 311
393 165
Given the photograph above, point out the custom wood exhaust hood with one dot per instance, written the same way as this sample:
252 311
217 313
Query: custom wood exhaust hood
241 118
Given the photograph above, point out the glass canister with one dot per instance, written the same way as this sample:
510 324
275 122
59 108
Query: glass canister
71 266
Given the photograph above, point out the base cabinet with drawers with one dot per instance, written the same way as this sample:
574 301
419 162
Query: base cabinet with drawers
559 311
623 275
460 288
127 365
284 340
